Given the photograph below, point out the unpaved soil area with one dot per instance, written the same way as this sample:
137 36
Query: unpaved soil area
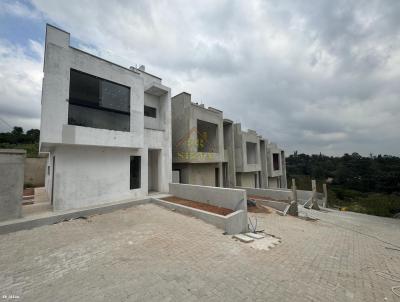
199 205
264 198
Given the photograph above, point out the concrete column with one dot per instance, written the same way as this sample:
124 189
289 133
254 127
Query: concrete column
221 175
314 201
325 195
294 190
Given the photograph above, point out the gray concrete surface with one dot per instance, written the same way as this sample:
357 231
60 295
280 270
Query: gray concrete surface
234 199
11 183
147 253
45 216
34 171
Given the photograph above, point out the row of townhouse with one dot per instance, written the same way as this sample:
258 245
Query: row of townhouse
212 151
108 132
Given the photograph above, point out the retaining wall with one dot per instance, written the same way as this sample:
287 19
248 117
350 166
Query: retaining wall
275 194
234 199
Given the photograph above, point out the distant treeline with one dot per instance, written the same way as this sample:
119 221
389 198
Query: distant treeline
18 139
376 173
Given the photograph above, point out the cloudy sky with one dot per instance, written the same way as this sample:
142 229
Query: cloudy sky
313 76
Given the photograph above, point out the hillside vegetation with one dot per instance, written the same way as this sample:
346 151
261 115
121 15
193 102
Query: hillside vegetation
18 139
368 185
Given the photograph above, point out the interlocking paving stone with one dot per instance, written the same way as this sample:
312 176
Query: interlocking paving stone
147 253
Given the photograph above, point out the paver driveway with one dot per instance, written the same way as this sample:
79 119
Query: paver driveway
147 253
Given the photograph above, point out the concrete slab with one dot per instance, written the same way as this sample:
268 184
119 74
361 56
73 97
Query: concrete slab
255 235
243 238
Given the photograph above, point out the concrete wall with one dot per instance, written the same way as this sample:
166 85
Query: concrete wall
241 140
233 223
197 174
185 117
280 195
229 153
234 199
34 171
247 179
273 182
86 176
264 168
11 183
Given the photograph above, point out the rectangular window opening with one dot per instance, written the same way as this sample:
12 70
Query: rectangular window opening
275 157
251 150
207 137
135 171
98 103
150 111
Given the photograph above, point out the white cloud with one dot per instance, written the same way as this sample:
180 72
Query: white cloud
311 75
16 8
20 86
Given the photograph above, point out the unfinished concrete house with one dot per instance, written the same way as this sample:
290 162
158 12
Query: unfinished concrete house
276 166
247 157
107 128
197 142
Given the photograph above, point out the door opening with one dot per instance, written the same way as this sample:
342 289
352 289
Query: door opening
217 177
153 170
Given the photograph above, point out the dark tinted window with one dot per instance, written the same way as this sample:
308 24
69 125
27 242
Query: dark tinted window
150 111
98 103
84 87
114 96
135 172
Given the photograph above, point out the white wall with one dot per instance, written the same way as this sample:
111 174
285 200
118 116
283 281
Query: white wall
86 176
54 128
92 165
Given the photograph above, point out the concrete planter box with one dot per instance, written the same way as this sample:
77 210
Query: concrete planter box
234 199
233 223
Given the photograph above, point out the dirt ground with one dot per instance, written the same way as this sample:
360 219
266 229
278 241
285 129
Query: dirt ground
199 205
259 209
264 198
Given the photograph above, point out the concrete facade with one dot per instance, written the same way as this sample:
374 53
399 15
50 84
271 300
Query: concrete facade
247 157
197 142
230 156
89 166
276 166
12 183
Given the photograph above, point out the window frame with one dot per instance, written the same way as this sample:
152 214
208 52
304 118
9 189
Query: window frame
150 107
83 103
